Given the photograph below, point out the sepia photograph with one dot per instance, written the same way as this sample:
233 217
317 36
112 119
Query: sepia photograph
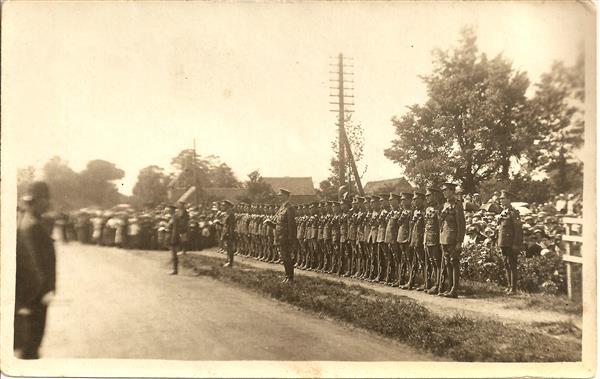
298 189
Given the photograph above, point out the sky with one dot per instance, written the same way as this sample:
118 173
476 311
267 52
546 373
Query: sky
134 83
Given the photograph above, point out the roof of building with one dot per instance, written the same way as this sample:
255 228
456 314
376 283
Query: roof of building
399 185
296 185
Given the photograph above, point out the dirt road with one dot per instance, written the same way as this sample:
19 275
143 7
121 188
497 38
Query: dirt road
115 303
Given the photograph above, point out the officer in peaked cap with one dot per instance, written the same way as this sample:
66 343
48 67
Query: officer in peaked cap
452 234
510 238
285 233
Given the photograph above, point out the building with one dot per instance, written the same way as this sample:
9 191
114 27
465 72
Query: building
301 188
397 185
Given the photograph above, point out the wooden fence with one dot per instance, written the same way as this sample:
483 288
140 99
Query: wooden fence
570 238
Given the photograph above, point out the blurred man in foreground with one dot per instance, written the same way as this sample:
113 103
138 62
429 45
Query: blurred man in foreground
36 273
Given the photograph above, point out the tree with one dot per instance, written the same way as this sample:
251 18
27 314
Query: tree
472 124
257 190
558 116
64 184
208 171
222 175
151 187
96 183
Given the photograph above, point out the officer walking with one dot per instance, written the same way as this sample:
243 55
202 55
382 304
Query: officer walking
285 233
179 227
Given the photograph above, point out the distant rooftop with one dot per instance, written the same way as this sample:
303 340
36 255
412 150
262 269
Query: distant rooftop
398 185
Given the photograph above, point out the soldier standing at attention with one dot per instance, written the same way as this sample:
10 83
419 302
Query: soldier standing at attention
345 263
335 236
320 240
366 252
374 229
359 213
312 262
404 237
228 234
383 253
452 233
352 252
510 239
392 276
285 232
433 252
417 231
36 273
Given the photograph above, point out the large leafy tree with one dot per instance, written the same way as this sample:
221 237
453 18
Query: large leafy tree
473 123
257 190
151 187
64 184
209 171
558 116
96 181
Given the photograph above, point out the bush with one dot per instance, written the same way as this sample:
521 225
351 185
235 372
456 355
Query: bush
538 274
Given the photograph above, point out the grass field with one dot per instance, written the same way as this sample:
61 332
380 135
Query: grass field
456 337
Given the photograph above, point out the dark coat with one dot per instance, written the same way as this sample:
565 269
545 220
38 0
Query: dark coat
285 225
36 260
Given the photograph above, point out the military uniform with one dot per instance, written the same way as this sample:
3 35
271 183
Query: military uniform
285 233
228 234
510 240
452 233
417 233
391 235
433 250
403 237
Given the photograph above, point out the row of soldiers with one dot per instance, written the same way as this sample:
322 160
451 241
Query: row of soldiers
412 240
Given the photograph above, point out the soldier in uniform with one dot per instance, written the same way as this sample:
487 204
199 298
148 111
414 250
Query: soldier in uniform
510 239
179 226
335 236
372 239
382 253
417 249
391 235
285 232
452 233
311 242
320 238
326 220
345 264
353 257
36 273
433 252
228 234
366 246
404 237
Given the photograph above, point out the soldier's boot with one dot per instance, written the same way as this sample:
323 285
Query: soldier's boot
446 273
453 278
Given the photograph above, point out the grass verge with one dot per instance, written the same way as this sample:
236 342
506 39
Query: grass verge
403 319
521 300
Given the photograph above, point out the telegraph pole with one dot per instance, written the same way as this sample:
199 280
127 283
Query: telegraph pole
344 149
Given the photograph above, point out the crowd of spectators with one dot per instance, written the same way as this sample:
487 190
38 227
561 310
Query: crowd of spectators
125 227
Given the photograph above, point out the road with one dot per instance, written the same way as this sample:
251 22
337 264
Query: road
114 303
